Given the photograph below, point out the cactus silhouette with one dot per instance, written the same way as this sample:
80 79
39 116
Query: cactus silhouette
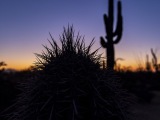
69 85
112 36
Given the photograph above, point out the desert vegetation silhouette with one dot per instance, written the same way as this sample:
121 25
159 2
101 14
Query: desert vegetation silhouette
2 64
155 63
112 36
67 82
70 85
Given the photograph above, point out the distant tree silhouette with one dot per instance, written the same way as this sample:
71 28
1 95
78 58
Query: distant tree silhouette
112 36
2 64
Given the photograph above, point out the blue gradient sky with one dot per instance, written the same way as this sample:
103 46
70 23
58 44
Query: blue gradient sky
25 26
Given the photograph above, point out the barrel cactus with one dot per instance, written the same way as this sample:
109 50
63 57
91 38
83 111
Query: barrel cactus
69 85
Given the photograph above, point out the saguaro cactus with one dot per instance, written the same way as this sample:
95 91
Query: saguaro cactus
112 36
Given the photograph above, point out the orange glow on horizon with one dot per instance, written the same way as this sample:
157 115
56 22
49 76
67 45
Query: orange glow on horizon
18 67
21 65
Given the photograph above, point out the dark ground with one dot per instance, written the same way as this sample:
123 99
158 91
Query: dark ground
140 84
148 111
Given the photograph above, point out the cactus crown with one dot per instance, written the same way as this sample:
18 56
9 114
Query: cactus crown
108 21
72 46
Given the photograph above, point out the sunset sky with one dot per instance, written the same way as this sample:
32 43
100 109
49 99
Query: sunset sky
25 26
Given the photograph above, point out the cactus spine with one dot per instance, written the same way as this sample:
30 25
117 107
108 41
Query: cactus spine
112 36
